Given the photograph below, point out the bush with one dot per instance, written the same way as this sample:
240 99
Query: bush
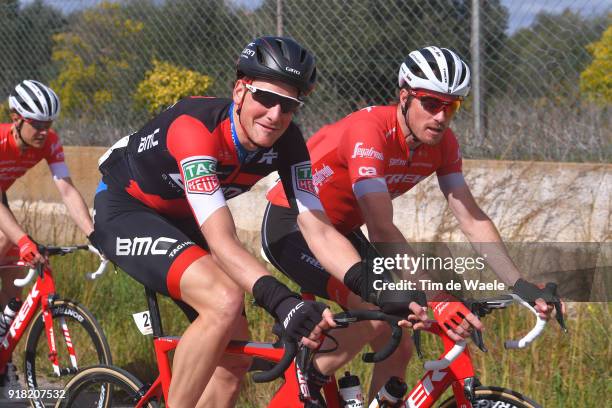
166 83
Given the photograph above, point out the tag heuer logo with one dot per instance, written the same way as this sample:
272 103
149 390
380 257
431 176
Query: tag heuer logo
201 175
303 178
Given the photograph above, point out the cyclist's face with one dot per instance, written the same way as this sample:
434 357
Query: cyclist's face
32 131
427 124
263 119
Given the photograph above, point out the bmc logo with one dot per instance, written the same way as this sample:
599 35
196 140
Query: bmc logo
143 246
148 141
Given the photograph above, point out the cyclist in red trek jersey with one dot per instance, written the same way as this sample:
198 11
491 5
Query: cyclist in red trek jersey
23 143
161 213
361 163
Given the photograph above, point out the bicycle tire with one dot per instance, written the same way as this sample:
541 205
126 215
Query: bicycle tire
103 386
86 336
486 397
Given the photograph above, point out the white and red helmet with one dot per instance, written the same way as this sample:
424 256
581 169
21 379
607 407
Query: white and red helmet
435 69
33 100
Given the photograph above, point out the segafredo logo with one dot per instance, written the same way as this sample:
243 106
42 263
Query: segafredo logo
366 152
200 175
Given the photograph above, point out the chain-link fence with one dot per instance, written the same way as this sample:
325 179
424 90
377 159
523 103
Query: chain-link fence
528 57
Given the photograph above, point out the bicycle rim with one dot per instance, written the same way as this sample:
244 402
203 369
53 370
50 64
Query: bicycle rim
103 387
85 338
491 397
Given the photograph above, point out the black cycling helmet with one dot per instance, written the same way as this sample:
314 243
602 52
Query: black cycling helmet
281 59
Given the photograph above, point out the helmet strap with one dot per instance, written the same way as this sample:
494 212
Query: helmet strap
246 134
18 130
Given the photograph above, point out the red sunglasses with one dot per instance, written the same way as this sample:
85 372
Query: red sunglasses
433 102
39 125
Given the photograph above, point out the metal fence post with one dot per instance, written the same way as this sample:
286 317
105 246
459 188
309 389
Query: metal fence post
279 18
476 83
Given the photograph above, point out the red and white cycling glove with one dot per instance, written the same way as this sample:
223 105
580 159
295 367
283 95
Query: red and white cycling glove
448 310
28 250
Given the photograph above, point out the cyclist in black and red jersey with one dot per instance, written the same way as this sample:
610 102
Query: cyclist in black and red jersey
360 164
161 212
23 143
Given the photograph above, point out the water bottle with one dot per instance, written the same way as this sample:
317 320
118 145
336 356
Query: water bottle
7 317
350 391
391 394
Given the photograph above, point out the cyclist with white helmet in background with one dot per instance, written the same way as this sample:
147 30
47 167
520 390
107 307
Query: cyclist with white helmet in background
361 163
24 142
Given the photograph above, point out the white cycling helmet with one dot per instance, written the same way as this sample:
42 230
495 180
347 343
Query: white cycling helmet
33 100
435 69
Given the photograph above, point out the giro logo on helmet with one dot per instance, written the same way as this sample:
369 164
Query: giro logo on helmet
293 71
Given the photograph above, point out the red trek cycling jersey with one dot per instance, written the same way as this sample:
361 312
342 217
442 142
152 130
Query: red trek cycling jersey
367 152
14 163
188 160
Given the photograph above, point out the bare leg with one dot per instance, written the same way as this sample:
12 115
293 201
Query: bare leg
9 290
218 301
223 388
395 365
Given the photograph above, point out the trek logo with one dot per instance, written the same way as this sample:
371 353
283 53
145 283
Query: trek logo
143 246
367 152
302 382
23 314
148 141
424 389
310 260
200 175
367 171
268 157
403 178
291 313
302 174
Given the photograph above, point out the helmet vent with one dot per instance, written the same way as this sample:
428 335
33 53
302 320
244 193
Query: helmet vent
283 47
431 60
450 64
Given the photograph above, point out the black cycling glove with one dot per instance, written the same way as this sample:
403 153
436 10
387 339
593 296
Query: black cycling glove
530 292
394 302
297 316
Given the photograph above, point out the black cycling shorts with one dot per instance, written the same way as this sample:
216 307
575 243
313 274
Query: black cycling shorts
152 249
5 199
287 250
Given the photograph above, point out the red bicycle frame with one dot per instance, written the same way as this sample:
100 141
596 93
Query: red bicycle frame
41 294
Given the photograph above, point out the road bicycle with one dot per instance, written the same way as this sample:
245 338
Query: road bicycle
108 386
80 343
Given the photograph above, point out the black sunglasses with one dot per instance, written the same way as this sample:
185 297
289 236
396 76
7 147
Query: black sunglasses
270 99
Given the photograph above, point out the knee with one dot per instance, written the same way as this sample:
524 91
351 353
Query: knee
226 305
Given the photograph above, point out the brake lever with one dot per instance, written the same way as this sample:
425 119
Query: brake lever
478 340
552 288
416 339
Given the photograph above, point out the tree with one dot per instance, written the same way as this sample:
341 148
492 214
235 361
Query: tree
596 79
98 65
545 60
26 34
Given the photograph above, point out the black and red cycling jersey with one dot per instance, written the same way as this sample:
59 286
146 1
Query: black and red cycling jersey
188 160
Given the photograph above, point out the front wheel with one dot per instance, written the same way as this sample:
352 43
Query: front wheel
492 397
79 342
103 387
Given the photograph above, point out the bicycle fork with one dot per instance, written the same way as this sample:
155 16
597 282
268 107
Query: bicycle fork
49 331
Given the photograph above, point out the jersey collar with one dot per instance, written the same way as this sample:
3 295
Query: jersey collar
244 155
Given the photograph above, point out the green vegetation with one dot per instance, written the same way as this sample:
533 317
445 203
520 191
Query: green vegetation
544 85
558 370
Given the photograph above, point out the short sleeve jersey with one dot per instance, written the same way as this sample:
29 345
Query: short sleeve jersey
188 160
367 152
14 163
